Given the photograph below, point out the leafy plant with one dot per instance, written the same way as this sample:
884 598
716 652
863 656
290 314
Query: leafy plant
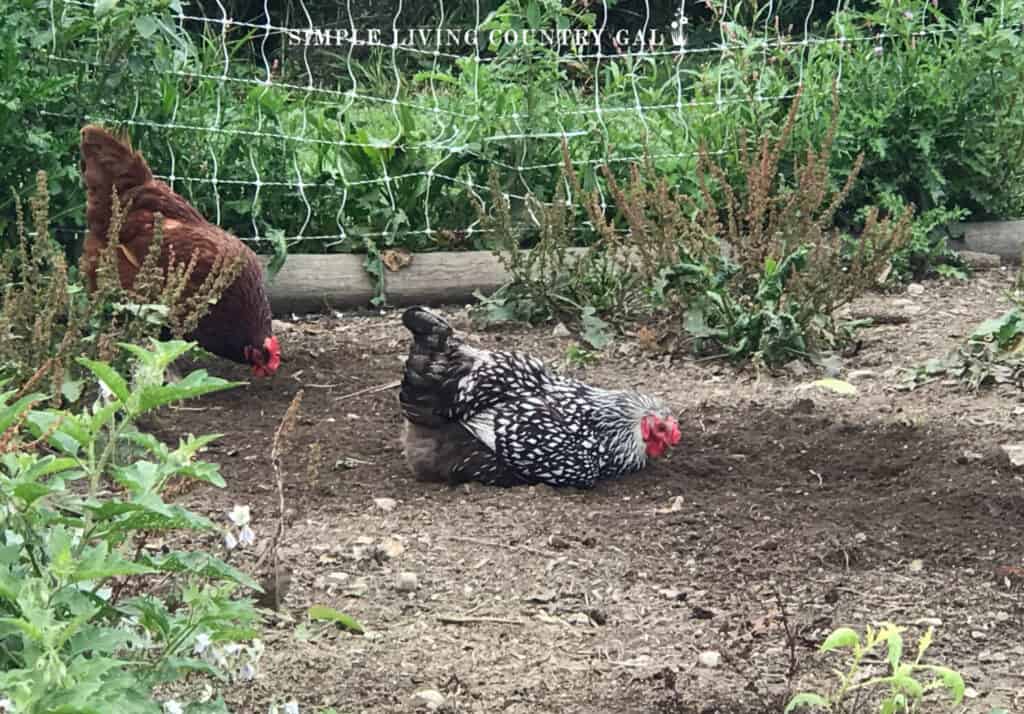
73 527
47 320
756 268
927 252
992 354
900 689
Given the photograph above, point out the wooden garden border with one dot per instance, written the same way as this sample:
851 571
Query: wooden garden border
1000 238
312 283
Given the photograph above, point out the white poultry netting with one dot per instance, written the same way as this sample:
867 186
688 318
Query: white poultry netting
340 130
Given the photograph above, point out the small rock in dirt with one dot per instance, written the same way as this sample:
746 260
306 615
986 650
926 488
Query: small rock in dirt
385 504
362 551
599 617
1015 454
358 588
915 289
978 635
543 597
407 582
931 621
802 406
336 577
916 565
578 618
431 698
677 505
971 693
968 457
863 374
709 659
672 594
561 331
702 613
987 656
796 367
389 549
558 542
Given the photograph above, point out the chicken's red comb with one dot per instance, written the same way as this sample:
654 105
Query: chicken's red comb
272 346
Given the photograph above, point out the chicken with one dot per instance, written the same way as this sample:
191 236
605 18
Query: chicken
238 326
501 418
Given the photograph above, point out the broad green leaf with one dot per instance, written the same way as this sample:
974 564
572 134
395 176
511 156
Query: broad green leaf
178 667
32 491
161 354
952 681
146 25
98 562
329 614
65 431
807 699
280 246
11 413
102 7
73 626
843 637
835 385
71 389
202 564
141 477
49 465
895 651
26 627
595 330
104 415
108 376
194 385
533 17
907 684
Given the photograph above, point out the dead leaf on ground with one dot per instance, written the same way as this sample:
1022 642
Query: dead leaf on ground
395 259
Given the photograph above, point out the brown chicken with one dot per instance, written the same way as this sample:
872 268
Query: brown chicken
238 327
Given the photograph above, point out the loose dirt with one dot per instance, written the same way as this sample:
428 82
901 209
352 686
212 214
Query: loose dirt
785 512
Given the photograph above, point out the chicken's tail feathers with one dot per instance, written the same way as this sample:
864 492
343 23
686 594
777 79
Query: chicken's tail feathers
428 384
428 328
108 160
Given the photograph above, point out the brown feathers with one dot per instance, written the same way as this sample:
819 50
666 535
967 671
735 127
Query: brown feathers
238 326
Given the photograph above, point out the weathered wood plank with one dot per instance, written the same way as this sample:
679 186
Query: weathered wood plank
311 283
1002 238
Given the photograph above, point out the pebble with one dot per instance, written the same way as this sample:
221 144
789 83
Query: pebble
385 504
1015 454
407 582
796 367
969 456
561 331
709 659
915 289
432 698
390 548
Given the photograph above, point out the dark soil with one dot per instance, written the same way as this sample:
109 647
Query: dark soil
785 512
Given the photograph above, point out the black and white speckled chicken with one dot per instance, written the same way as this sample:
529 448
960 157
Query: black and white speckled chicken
503 419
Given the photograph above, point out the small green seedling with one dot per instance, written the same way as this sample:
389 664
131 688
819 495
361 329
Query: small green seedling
903 691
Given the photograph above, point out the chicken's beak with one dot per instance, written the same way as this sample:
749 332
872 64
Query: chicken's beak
674 435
